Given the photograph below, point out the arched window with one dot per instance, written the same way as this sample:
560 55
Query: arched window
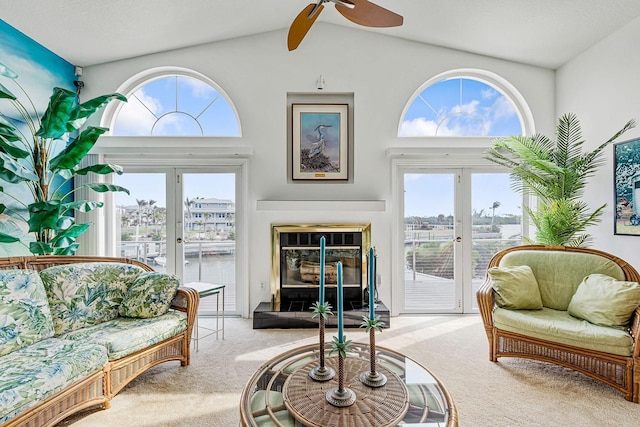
462 106
175 105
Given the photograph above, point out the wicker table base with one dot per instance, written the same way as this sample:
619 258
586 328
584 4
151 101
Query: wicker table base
384 406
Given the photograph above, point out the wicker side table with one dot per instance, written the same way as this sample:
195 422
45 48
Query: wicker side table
384 406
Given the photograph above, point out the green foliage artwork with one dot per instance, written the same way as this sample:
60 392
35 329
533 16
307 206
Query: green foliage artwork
627 187
43 154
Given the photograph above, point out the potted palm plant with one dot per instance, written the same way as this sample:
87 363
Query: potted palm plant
42 155
557 173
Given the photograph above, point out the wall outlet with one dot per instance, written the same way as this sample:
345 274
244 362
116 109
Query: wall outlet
262 284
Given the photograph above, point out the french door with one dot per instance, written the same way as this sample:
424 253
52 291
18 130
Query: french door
181 221
454 221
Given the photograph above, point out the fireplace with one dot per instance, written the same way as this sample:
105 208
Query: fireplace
295 264
295 275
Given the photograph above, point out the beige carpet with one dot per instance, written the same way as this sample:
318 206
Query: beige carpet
512 392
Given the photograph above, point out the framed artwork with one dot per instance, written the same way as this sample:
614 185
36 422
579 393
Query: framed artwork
320 141
626 180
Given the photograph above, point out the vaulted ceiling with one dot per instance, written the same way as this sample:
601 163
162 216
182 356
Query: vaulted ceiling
545 33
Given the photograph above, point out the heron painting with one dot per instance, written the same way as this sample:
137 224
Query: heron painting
320 141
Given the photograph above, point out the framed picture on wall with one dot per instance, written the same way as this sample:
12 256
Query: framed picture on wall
320 141
626 180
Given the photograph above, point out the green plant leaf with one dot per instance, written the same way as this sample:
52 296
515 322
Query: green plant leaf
16 152
44 215
8 132
6 238
81 206
6 93
55 118
68 237
13 172
77 149
103 188
82 112
100 169
40 248
69 250
65 222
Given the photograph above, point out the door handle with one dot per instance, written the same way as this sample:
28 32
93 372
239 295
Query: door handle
458 239
179 240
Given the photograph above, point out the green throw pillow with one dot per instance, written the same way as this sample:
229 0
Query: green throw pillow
516 288
605 301
150 295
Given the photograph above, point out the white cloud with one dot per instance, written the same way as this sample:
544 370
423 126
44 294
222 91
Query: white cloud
134 118
199 89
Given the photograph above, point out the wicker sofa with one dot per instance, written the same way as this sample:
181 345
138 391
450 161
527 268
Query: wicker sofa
574 284
75 330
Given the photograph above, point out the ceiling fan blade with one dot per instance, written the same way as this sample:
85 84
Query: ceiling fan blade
301 25
370 14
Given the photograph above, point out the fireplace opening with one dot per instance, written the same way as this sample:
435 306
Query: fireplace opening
296 264
295 275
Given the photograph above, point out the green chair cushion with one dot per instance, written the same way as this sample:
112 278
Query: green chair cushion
25 317
33 373
605 301
86 294
515 287
559 273
150 295
560 327
125 335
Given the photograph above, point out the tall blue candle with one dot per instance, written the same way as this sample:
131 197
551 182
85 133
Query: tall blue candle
372 273
340 314
321 295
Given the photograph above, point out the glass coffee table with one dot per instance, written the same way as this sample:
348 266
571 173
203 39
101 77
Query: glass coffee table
279 393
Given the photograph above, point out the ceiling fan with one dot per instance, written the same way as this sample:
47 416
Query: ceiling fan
362 12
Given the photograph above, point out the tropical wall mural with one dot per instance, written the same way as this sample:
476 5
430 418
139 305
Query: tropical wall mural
38 71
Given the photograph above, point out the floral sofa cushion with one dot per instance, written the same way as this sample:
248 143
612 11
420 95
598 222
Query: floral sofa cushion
25 317
125 335
33 373
86 294
150 295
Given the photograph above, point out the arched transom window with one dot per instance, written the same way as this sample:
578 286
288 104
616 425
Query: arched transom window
176 105
460 106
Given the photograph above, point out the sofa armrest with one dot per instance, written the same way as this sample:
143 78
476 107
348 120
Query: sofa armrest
634 329
486 302
187 301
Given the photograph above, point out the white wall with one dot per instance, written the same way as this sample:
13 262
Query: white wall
602 88
381 72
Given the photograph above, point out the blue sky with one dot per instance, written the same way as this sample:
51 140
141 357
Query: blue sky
176 105
460 107
151 186
432 194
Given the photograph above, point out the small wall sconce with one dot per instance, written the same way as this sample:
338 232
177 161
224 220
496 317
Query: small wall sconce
320 83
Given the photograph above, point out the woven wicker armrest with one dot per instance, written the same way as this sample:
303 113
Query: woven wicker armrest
187 300
634 328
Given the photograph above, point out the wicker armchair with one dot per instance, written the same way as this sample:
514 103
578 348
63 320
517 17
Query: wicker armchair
619 371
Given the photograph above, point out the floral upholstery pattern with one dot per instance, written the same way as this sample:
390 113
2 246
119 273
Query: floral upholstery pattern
25 317
150 295
125 335
86 294
31 374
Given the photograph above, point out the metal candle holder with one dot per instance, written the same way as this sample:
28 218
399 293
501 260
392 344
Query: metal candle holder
322 372
372 378
341 396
